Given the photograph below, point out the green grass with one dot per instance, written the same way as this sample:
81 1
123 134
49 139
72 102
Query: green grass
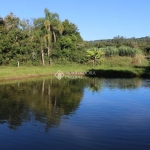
22 71
109 67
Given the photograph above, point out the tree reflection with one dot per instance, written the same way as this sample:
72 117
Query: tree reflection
45 101
123 83
95 85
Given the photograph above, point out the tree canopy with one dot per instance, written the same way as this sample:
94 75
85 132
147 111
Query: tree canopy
47 40
36 41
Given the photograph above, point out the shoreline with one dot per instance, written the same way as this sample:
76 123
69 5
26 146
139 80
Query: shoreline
24 77
14 73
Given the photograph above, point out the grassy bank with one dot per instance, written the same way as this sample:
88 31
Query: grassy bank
103 71
36 71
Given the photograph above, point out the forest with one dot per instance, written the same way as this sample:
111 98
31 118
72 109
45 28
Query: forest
48 40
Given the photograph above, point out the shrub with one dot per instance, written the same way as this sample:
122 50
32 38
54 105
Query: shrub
128 51
110 51
121 51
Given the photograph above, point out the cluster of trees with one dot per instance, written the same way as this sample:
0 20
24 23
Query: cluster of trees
120 41
49 40
46 39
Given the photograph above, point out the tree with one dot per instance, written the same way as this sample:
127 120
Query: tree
30 42
71 29
94 54
40 38
11 21
50 26
53 23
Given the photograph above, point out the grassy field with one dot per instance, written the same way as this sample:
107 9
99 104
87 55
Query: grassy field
101 70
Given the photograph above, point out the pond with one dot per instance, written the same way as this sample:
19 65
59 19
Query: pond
75 114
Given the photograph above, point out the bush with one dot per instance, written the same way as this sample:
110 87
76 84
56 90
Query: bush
128 51
110 51
121 51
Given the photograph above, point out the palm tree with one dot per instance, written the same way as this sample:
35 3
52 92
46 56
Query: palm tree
50 25
94 54
53 23
47 36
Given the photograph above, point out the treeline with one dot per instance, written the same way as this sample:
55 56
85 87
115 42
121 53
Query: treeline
38 41
120 41
48 40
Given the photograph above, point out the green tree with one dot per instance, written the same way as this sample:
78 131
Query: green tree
71 29
50 25
95 54
11 21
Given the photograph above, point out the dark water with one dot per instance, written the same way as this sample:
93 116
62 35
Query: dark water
77 114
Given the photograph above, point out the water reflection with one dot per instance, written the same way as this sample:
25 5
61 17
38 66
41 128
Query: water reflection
45 101
65 114
48 100
132 83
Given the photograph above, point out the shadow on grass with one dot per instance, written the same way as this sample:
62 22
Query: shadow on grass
110 73
146 70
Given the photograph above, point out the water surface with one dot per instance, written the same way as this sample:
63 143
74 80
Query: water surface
90 114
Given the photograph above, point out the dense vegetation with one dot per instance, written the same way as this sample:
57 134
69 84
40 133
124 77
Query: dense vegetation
30 41
48 41
118 41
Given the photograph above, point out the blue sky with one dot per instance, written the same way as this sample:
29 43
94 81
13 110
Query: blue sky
96 19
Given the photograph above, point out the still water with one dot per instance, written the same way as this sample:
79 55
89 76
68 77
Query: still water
75 114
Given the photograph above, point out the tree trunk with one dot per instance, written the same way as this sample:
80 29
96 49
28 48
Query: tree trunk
49 28
50 61
49 55
94 60
43 85
48 51
42 54
54 36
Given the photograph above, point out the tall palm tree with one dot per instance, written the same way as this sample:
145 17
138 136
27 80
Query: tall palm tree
53 23
50 26
47 36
